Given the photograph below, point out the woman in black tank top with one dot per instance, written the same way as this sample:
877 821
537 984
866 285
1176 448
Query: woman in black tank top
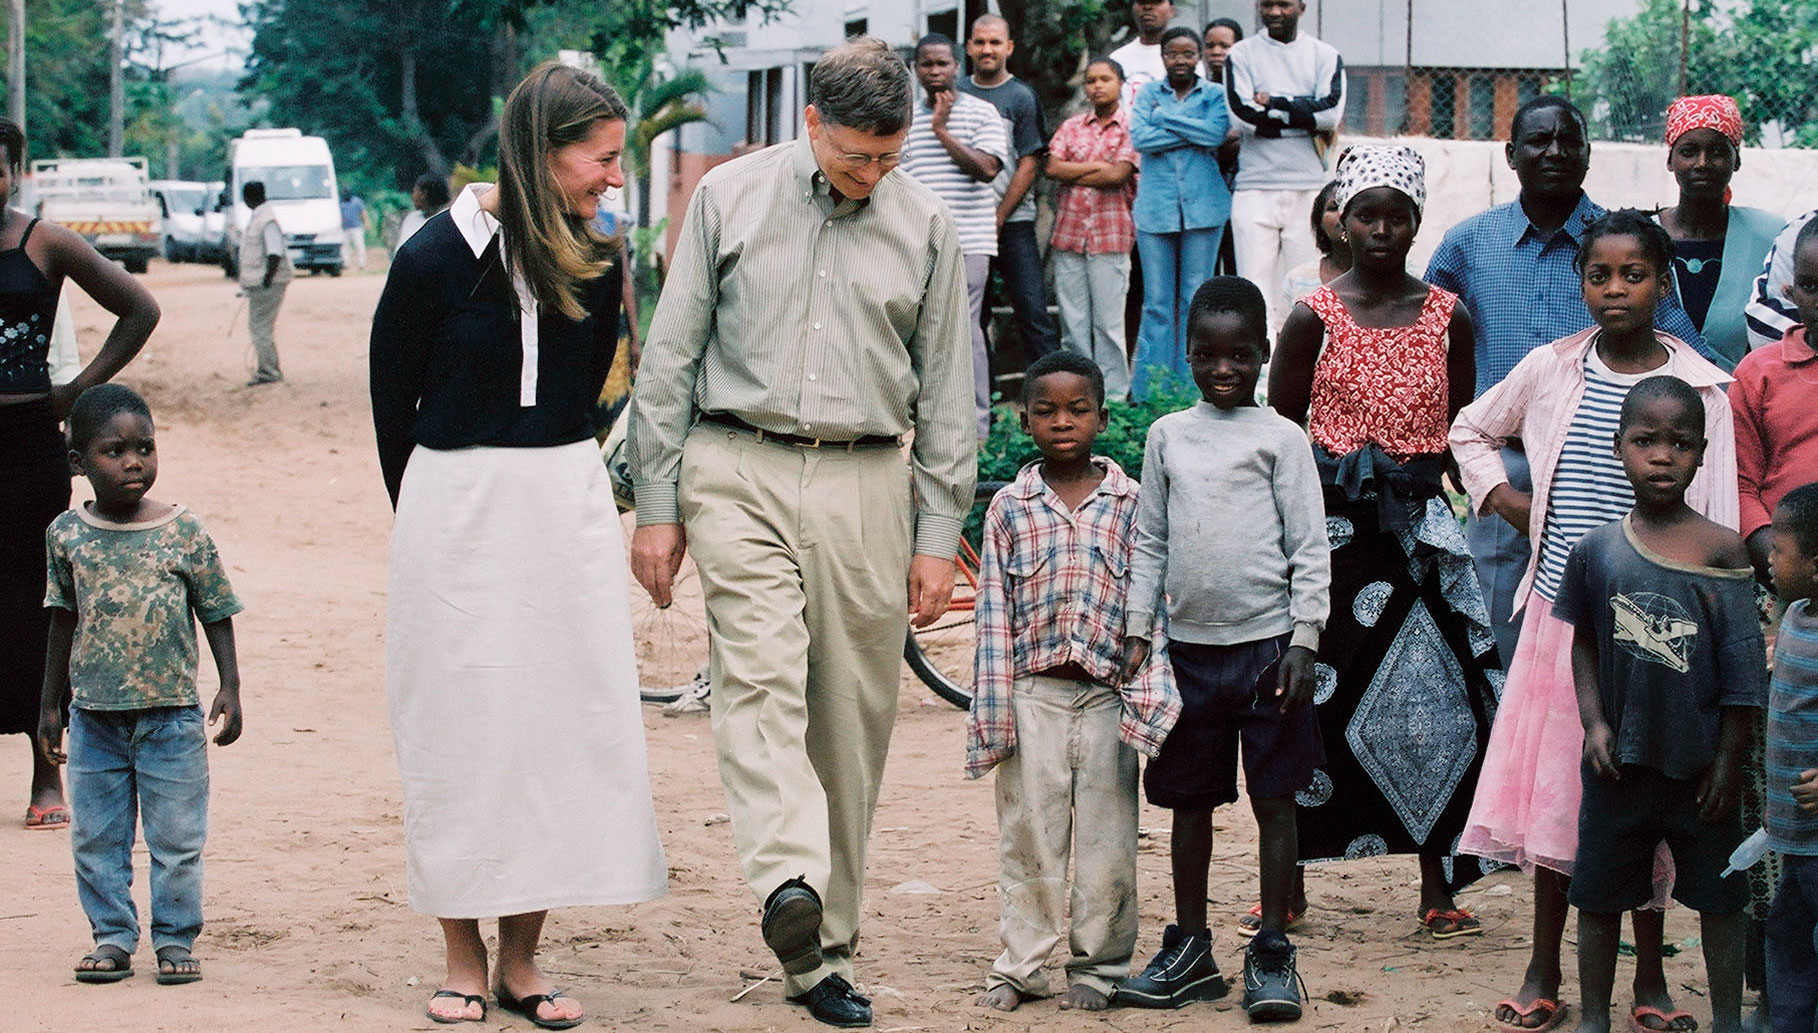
35 258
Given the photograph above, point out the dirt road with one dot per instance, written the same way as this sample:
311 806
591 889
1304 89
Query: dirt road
308 927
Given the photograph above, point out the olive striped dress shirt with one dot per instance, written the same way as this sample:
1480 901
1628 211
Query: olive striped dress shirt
804 314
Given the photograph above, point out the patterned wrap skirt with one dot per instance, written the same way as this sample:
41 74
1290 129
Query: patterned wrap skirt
1408 676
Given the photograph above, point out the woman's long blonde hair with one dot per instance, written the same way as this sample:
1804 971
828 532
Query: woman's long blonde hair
555 251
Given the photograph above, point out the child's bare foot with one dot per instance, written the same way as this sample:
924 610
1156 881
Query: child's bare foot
999 998
1084 998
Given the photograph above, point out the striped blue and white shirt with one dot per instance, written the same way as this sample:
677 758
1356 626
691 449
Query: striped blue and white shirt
1589 487
976 124
1792 730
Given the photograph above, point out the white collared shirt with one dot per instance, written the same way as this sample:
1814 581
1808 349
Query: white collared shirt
478 227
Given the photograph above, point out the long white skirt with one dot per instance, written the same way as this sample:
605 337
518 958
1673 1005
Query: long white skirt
513 686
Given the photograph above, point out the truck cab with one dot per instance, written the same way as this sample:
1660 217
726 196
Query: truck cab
299 176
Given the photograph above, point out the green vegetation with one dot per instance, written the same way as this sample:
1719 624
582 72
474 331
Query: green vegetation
1756 51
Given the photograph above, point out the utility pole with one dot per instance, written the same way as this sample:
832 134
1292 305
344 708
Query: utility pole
116 122
15 62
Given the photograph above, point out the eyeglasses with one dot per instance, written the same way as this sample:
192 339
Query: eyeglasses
855 162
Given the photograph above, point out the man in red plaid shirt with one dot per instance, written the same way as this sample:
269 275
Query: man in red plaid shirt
1091 157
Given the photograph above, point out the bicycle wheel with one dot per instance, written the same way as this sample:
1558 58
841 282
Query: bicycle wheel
941 654
671 641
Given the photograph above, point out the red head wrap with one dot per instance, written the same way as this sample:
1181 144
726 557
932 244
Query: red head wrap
1714 111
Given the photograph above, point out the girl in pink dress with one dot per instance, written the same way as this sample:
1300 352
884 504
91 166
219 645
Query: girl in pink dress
1562 402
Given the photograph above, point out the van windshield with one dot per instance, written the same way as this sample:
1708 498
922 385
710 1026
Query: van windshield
290 182
185 202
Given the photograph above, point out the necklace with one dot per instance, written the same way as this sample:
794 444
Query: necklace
1696 266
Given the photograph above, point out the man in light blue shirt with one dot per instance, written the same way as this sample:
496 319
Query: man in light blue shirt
1182 204
1514 268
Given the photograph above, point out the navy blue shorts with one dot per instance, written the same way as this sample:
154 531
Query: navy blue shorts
1227 698
1620 826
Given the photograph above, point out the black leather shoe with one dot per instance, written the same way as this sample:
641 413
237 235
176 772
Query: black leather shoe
792 926
834 1002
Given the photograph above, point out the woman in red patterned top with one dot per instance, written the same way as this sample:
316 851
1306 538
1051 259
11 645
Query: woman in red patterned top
1376 363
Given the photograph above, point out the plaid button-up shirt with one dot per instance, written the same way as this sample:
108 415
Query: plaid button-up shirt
1051 591
1094 220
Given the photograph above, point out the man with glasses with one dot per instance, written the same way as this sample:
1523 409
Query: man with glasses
956 146
814 314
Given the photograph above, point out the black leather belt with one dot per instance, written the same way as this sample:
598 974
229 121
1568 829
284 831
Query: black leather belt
868 441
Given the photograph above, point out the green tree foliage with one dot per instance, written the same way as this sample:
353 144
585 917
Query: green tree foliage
66 95
1054 38
400 86
1757 51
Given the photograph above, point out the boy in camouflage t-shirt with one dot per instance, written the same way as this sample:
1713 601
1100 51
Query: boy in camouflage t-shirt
128 578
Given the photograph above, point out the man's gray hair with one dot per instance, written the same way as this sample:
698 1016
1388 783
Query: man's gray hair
862 84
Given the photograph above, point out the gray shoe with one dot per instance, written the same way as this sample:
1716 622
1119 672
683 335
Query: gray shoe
1272 984
1181 973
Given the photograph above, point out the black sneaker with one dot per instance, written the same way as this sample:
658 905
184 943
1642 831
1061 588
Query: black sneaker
1271 983
1183 972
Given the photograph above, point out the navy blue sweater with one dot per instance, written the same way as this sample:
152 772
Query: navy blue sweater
446 354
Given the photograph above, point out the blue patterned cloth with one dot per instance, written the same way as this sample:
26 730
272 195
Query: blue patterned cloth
1522 289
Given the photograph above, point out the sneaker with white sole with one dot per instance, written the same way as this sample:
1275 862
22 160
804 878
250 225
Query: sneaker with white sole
1181 973
1272 984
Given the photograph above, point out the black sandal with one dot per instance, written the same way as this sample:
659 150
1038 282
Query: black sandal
122 962
174 957
466 999
527 1007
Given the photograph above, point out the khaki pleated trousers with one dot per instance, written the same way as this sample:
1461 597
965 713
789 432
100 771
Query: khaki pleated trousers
804 560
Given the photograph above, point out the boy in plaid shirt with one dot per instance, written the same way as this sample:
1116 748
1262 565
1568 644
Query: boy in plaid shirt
1049 709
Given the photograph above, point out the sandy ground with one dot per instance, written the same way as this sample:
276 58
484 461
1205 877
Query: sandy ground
308 926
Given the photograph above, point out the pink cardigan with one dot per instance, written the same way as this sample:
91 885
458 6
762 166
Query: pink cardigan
1536 403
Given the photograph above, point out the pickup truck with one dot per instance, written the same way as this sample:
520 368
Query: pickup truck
106 200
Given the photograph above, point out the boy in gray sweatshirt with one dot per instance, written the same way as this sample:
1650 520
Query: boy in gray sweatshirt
1232 529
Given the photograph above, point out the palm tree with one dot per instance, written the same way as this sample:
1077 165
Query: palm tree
659 105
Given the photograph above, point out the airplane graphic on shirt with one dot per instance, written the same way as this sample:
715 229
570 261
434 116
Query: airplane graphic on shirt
1655 628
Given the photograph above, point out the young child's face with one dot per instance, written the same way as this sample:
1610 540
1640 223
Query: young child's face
1225 352
1102 85
1795 572
1622 284
1064 416
1803 290
1661 449
1380 227
120 462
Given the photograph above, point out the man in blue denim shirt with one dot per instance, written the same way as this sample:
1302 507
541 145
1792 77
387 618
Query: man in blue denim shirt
1182 203
1513 267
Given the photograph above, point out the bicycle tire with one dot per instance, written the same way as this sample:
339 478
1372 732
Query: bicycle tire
941 654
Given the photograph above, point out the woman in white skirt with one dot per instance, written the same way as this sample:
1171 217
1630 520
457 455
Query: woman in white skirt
509 663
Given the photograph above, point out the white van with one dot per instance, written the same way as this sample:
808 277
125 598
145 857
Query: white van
299 177
190 234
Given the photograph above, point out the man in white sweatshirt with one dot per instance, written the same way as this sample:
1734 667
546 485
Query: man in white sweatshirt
1286 90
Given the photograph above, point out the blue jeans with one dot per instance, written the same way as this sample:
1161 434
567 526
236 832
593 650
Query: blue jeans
1792 946
1500 554
150 764
1174 265
1019 261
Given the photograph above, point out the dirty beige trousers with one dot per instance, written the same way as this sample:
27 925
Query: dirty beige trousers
261 324
804 561
1071 784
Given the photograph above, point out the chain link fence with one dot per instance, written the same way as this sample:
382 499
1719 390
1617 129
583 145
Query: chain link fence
1458 69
